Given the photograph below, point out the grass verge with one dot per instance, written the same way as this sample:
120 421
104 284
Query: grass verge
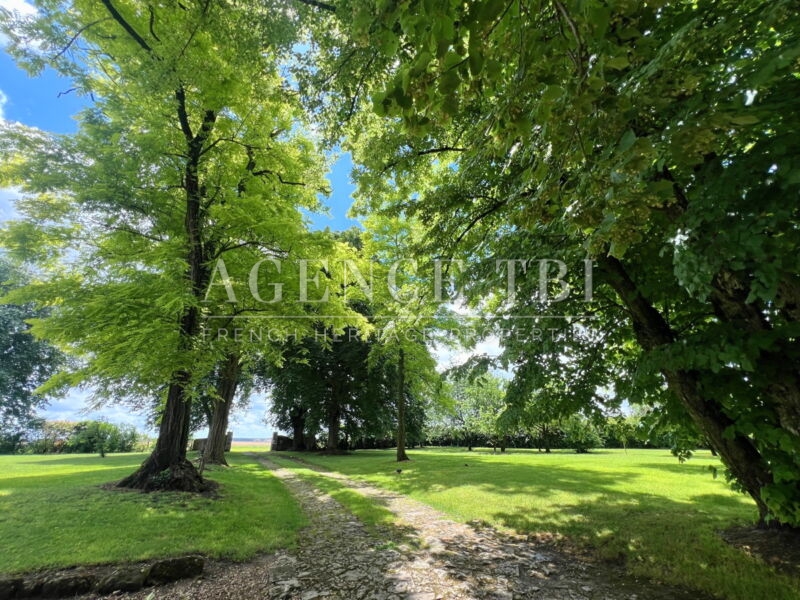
642 507
54 514
368 512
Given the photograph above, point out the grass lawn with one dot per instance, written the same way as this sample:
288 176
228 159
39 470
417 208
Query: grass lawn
54 514
643 507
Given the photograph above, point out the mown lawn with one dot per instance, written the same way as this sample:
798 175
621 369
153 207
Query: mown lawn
641 507
53 513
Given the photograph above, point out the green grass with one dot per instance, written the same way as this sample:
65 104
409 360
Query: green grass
54 514
368 512
643 507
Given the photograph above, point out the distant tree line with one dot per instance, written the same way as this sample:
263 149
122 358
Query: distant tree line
68 437
576 432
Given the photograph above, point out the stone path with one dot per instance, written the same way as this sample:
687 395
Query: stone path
426 556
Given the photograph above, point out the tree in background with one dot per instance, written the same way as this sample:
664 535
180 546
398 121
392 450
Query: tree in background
25 362
322 382
406 316
475 409
581 433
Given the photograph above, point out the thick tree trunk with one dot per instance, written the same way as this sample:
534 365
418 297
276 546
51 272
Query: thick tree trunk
167 468
401 408
334 424
652 331
214 451
298 418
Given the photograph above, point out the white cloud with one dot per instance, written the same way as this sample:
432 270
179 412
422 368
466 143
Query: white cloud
250 423
3 101
73 407
18 6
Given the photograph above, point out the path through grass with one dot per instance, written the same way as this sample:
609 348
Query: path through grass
641 507
54 514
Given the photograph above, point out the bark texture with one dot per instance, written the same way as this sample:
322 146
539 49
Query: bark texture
227 382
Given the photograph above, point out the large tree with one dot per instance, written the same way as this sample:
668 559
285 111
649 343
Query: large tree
657 140
192 151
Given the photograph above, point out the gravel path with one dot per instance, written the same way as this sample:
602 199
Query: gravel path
426 556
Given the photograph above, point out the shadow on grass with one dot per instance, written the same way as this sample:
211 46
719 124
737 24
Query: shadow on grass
641 513
484 558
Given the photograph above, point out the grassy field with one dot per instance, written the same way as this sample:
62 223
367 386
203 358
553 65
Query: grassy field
54 514
641 507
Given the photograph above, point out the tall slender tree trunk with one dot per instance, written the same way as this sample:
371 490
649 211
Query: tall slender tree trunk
652 331
214 452
401 408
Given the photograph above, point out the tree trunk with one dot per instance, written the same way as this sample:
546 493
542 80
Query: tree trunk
652 331
167 467
228 379
401 408
334 425
298 418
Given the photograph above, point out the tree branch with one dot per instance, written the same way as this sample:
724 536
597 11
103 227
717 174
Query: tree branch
183 117
318 4
278 175
77 35
115 14
152 23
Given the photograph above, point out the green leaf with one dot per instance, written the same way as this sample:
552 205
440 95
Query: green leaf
626 141
618 62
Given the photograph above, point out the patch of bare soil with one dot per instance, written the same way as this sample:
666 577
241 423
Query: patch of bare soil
777 547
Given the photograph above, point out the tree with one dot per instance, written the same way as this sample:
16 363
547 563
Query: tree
653 140
405 314
323 381
100 437
192 151
226 377
26 361
581 434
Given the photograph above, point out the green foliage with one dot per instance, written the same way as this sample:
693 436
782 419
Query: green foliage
656 139
581 434
100 437
472 416
26 362
640 508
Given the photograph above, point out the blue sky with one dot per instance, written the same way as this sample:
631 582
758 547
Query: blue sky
36 102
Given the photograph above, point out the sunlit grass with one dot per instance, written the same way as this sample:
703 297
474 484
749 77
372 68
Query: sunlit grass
641 507
367 511
54 514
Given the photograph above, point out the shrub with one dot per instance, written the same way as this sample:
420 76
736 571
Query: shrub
581 433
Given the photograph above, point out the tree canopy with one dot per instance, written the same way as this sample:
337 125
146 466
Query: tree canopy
654 139
619 179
